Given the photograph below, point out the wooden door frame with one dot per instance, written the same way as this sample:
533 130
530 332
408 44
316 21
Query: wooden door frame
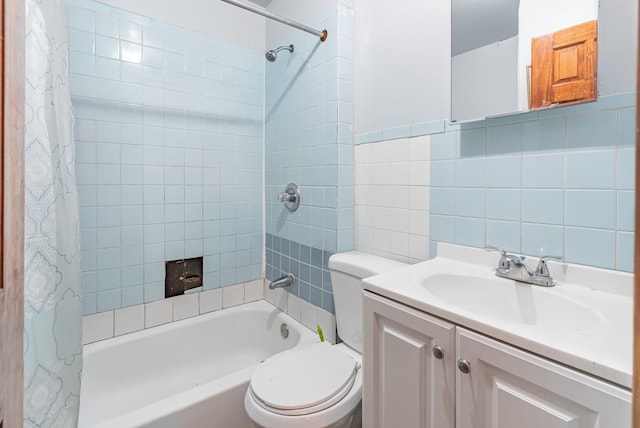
12 213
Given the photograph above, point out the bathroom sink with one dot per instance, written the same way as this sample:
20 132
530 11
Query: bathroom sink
510 301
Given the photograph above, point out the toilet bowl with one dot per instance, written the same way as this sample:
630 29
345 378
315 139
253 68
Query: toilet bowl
320 385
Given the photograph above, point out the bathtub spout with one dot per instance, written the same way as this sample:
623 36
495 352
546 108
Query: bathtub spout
284 281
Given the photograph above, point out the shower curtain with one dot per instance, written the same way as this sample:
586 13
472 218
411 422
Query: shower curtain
53 308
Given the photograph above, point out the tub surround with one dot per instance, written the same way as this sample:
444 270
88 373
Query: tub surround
113 323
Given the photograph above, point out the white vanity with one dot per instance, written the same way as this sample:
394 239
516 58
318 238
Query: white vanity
449 344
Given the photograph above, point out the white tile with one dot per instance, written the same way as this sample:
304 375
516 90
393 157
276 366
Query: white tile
398 150
280 299
269 295
97 327
185 306
253 290
160 312
309 315
419 173
381 152
419 198
129 319
399 220
420 148
419 247
399 173
399 196
364 153
419 223
327 322
210 300
399 243
233 295
294 307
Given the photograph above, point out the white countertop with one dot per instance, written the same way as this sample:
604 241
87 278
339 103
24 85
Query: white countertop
603 346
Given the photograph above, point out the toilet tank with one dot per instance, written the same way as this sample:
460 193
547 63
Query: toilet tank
347 272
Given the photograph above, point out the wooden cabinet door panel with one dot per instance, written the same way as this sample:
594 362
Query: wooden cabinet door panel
404 385
564 66
507 388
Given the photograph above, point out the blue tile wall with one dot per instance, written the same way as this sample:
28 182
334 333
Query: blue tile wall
556 182
309 141
169 129
309 265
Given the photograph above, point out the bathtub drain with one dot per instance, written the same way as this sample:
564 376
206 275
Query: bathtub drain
284 330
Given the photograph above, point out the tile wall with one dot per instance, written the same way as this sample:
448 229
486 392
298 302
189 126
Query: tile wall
555 182
309 141
169 130
392 195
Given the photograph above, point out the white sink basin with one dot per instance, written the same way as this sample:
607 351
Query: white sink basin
510 301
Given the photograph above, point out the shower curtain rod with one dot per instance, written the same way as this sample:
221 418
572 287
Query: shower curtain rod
322 34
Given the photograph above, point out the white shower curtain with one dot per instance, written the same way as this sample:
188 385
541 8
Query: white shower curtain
53 309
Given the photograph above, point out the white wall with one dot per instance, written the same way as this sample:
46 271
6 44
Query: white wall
304 12
211 17
402 63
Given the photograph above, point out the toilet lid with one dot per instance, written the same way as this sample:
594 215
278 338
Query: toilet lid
304 381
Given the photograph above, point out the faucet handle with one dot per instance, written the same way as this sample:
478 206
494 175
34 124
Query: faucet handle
498 249
542 269
505 262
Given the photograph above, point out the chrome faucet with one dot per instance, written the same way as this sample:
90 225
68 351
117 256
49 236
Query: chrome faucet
512 266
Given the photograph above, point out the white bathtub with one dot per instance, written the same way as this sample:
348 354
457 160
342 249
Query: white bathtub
190 373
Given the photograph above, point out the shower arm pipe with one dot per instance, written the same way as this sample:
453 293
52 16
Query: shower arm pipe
322 34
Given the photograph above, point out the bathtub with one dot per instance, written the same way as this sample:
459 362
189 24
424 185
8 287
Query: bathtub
190 373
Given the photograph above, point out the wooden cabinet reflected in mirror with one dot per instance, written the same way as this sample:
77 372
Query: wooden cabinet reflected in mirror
563 66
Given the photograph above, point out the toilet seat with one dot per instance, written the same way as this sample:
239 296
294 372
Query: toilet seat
303 381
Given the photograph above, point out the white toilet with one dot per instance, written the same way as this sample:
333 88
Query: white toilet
320 385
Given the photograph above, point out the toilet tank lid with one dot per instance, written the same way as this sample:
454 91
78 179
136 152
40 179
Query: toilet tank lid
362 265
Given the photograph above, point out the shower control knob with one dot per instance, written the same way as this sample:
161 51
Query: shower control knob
437 352
464 366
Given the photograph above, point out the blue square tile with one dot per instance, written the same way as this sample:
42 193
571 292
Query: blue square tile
542 240
591 247
472 143
593 129
627 131
544 135
624 251
153 292
442 228
132 255
470 231
470 202
504 204
543 206
626 209
504 234
443 173
132 296
132 275
110 299
588 208
543 171
504 139
504 172
626 169
469 173
109 279
444 145
591 170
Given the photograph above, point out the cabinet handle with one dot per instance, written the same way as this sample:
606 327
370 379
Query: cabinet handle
437 352
464 366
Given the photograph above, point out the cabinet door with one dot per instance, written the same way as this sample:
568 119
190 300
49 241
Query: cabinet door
405 384
507 388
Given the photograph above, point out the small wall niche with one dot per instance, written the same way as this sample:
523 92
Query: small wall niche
182 275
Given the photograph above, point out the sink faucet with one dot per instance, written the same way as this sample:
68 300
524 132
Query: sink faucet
511 266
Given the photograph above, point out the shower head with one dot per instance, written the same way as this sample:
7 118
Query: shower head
273 53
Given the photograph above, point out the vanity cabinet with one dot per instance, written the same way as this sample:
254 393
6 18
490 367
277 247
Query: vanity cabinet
478 383
409 378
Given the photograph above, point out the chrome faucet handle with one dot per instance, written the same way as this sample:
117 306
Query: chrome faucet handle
541 269
505 261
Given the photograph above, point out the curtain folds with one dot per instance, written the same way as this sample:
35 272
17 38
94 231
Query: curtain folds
53 308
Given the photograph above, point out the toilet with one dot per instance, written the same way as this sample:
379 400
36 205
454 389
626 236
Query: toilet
320 385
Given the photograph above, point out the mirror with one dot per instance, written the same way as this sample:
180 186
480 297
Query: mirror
492 69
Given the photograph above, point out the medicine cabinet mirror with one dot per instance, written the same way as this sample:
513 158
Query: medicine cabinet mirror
512 56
